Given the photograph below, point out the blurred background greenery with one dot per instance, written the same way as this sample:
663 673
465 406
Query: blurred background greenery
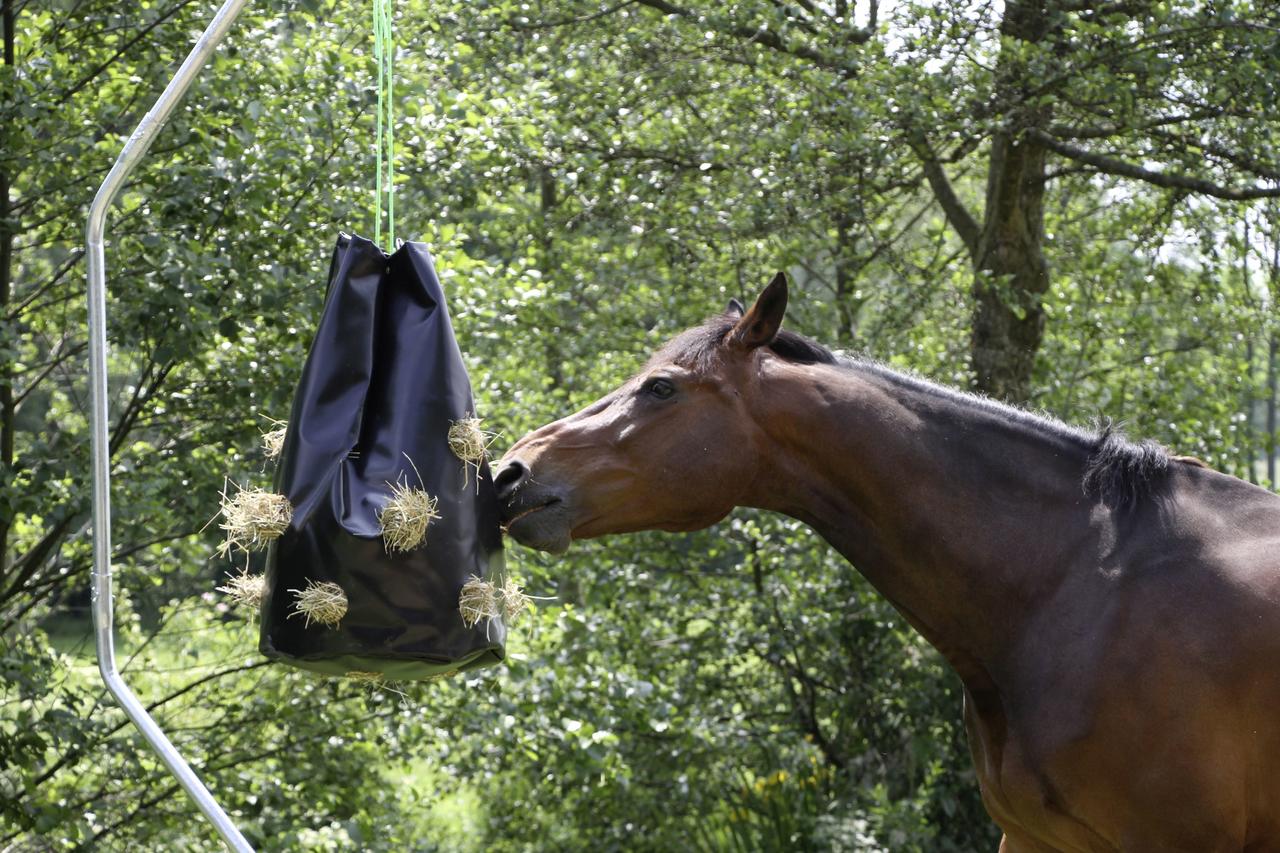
1066 203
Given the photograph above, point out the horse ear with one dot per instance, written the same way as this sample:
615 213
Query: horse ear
759 326
735 308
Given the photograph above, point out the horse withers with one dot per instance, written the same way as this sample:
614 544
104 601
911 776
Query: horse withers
1113 612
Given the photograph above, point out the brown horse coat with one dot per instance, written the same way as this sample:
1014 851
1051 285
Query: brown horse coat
1113 613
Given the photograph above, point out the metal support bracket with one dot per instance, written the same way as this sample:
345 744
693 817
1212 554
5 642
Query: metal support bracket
103 618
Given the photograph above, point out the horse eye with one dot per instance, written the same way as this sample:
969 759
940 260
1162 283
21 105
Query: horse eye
660 388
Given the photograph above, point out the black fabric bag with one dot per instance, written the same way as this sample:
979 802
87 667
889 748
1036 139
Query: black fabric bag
382 385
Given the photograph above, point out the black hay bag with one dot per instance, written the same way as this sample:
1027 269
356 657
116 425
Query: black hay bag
382 385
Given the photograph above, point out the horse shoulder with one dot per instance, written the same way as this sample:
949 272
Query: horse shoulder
1149 683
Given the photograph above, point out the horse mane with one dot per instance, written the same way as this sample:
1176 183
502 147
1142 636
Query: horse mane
1121 472
1118 472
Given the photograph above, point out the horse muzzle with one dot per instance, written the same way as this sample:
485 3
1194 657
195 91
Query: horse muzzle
536 515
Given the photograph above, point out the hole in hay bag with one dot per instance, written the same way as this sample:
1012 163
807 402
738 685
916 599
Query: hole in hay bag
387 526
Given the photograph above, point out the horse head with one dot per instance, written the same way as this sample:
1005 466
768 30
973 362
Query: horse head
672 448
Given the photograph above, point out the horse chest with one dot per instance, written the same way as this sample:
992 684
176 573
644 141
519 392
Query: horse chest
1019 789
1101 769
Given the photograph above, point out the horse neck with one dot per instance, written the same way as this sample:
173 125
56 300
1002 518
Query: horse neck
964 515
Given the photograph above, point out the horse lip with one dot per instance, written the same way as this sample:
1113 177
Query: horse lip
528 511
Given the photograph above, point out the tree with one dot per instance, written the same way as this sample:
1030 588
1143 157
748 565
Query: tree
591 178
1173 95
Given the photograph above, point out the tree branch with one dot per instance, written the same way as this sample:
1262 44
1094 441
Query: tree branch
24 568
29 563
73 755
125 48
794 16
804 711
1266 171
55 361
1169 180
1104 130
615 153
765 37
1089 9
36 292
566 22
957 214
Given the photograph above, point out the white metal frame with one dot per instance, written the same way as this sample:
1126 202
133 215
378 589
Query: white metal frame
103 619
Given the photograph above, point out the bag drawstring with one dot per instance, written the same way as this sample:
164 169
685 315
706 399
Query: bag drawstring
384 56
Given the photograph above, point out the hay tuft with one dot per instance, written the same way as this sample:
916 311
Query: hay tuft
478 600
252 518
481 599
323 602
405 518
514 601
245 589
470 442
273 440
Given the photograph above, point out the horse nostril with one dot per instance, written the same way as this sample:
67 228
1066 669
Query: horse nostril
509 478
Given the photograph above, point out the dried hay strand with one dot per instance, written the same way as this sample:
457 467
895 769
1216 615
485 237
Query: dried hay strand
273 440
440 676
252 518
323 602
470 443
482 599
364 677
478 600
244 589
374 682
406 517
514 601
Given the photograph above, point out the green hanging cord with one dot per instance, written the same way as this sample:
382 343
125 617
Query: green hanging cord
377 180
391 129
384 182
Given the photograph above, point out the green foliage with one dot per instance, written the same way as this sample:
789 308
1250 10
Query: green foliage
592 178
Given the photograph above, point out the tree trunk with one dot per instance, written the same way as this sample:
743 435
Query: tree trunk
1246 427
548 199
570 583
6 328
1271 413
1010 273
1272 355
846 310
1010 276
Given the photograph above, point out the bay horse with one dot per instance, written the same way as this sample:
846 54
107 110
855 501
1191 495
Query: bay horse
1112 611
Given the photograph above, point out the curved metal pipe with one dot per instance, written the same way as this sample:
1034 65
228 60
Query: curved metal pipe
103 618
